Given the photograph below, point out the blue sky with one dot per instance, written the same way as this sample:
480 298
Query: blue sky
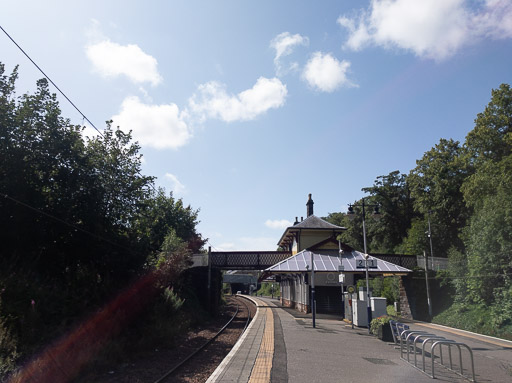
243 108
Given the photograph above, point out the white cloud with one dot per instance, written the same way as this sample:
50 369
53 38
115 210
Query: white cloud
278 223
284 43
247 244
227 246
177 187
358 35
157 126
495 21
213 100
257 243
324 72
434 29
111 60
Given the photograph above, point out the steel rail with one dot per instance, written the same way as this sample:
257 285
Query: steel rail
248 317
194 353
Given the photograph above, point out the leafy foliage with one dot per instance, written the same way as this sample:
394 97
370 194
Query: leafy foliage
488 192
466 193
267 290
391 192
78 219
435 186
377 322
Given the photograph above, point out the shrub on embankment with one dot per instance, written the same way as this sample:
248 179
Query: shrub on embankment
83 232
268 289
474 318
455 204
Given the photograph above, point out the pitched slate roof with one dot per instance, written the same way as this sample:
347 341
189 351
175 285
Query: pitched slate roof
314 222
329 261
310 223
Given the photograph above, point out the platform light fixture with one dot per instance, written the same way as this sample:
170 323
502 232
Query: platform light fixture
376 215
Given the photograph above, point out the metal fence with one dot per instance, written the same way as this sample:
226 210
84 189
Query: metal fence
434 263
247 260
407 261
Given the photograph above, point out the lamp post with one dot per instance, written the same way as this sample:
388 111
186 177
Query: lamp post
376 215
429 235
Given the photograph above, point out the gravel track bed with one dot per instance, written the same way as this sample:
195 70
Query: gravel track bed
154 365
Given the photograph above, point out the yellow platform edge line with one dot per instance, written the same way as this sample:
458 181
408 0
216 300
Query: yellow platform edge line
263 364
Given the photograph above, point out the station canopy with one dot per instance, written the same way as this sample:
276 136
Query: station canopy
330 260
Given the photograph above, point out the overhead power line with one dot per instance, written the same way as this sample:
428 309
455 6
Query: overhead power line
42 212
91 124
60 91
51 81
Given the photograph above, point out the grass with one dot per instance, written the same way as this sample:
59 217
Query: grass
474 318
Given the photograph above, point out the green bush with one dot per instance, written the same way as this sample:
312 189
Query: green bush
375 323
8 349
387 287
477 318
266 289
390 309
171 301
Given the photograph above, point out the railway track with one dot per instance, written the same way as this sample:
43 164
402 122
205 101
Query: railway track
242 316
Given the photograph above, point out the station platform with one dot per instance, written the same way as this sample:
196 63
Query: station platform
281 345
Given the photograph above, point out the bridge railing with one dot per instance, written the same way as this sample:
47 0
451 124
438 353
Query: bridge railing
247 260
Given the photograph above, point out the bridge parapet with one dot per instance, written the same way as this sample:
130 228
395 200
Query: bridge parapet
247 260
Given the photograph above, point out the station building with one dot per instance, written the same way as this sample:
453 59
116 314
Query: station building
313 243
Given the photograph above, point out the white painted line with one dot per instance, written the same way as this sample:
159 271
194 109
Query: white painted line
222 366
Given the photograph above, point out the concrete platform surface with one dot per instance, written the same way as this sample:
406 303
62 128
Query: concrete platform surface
334 352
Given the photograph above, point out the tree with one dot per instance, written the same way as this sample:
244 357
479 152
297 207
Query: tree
435 185
488 140
353 236
161 214
78 220
391 192
415 241
488 193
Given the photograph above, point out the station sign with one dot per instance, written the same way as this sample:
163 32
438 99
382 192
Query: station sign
361 263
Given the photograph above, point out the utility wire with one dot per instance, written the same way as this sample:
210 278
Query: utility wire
84 117
467 276
64 222
214 248
49 79
61 92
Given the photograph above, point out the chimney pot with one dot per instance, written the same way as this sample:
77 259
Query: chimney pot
309 205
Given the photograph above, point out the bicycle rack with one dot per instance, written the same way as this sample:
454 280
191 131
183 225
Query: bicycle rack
413 336
396 329
411 339
450 343
418 339
405 335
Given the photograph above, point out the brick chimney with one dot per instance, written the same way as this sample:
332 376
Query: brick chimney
309 205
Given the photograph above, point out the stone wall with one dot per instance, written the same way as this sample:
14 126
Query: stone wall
294 305
405 294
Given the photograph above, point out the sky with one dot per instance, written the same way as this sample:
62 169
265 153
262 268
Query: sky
243 108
